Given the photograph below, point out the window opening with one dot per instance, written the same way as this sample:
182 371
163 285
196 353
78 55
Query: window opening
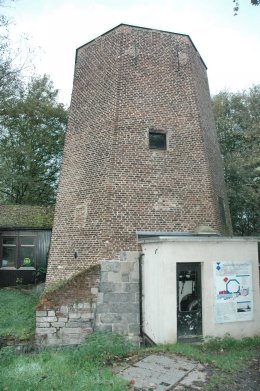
157 140
9 251
18 252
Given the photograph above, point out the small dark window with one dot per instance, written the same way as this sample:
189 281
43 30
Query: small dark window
222 211
157 140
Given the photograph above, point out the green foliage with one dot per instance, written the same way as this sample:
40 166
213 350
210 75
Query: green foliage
227 354
82 367
17 313
236 5
40 274
7 355
32 127
9 68
26 216
103 347
229 343
237 117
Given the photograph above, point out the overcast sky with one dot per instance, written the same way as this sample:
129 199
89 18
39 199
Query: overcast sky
229 45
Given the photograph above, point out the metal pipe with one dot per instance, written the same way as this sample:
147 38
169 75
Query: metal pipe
141 294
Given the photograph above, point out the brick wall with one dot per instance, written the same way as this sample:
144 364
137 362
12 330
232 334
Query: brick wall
66 314
105 297
127 82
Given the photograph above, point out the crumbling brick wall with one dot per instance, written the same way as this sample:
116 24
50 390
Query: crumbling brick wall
66 312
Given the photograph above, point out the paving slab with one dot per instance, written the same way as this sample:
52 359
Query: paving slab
164 373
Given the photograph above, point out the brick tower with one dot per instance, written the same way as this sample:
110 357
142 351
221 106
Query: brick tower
141 152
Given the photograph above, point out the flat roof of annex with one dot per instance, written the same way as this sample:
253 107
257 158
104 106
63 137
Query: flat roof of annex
141 28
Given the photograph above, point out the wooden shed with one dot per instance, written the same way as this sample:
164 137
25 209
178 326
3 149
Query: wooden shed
25 234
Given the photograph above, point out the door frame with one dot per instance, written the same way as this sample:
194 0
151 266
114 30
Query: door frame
189 320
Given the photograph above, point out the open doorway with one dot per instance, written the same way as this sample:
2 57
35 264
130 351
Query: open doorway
189 301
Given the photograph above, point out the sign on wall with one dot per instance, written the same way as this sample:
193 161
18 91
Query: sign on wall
233 292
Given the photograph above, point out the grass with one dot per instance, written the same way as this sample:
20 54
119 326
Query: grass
88 367
68 369
226 355
17 312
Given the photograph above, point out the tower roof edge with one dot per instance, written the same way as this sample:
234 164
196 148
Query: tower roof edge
141 28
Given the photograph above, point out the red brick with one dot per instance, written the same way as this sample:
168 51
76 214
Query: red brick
127 82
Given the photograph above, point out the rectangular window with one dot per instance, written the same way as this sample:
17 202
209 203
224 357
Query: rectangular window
9 256
9 241
17 251
27 240
26 253
27 256
157 140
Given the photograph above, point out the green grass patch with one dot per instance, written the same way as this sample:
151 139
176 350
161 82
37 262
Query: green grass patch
88 366
68 369
227 354
17 312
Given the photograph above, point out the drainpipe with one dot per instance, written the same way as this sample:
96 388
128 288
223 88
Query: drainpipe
141 294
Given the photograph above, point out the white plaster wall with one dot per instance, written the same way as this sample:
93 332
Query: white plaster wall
159 284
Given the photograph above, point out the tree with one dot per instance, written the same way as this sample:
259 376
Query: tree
236 5
237 117
13 62
32 127
5 60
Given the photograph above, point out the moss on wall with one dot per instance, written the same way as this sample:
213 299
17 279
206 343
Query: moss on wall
26 216
75 289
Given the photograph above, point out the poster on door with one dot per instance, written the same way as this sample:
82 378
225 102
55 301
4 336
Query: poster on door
233 292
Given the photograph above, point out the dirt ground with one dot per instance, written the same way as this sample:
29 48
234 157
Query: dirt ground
247 379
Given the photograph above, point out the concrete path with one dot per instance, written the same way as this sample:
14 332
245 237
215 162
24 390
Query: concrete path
164 373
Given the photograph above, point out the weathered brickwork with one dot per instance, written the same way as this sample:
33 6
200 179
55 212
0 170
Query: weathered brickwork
105 297
66 315
127 82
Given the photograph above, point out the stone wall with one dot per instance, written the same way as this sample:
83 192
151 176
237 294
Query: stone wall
65 325
65 315
105 297
118 303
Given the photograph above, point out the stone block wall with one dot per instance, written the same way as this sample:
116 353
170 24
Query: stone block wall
118 308
65 325
67 314
105 297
